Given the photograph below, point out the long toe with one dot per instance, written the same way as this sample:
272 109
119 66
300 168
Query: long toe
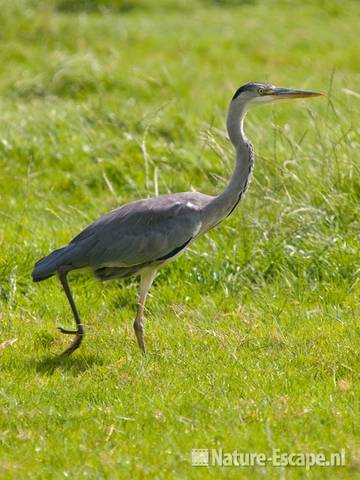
74 346
68 332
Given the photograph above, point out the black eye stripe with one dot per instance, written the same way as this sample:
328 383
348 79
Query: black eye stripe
258 87
240 90
251 86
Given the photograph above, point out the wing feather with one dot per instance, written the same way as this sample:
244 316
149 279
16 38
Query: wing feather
141 232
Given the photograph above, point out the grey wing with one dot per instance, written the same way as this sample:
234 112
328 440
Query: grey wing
142 232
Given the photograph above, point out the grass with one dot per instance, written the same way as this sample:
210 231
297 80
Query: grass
252 334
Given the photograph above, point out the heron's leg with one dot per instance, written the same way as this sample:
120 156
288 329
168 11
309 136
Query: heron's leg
147 278
79 333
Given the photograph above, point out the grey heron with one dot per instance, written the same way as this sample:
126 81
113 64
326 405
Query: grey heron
140 237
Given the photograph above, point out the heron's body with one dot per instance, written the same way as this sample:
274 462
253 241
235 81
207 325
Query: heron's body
142 236
117 241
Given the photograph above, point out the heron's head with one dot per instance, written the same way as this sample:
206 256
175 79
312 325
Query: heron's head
255 93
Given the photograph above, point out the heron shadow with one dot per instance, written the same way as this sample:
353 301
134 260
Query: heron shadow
75 365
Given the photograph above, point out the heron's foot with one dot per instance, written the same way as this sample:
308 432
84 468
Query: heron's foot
79 334
140 339
139 332
74 346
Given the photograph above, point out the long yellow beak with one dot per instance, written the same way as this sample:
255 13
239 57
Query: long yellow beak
282 93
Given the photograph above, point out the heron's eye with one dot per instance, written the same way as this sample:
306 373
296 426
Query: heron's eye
261 91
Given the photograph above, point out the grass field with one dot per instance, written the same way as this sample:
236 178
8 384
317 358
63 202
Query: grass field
253 334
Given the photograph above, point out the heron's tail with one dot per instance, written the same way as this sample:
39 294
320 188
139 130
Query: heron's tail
47 266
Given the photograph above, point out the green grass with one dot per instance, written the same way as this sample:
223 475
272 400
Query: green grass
253 333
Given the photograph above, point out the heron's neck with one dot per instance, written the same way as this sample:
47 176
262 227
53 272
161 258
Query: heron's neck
226 202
